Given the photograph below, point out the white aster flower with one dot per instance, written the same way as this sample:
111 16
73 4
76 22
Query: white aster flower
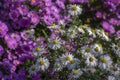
33 69
75 74
81 30
38 51
105 62
111 78
90 70
53 26
91 32
85 50
58 65
55 43
73 63
30 33
66 58
91 61
102 34
71 32
116 49
74 9
97 49
42 64
115 70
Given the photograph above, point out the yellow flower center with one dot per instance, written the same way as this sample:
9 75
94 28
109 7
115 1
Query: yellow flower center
115 69
33 68
38 49
75 72
53 25
74 8
93 31
103 60
41 63
27 32
91 59
67 58
72 61
116 47
106 33
72 32
91 71
96 49
100 45
57 65
87 50
55 42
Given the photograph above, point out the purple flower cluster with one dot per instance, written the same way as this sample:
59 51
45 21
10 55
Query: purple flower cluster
24 56
110 16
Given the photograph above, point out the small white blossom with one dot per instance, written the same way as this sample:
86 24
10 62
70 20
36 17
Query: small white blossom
75 74
74 9
42 64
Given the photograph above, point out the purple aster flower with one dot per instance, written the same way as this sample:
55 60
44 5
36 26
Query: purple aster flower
11 42
34 2
1 75
7 65
34 17
14 15
48 20
36 77
48 3
3 29
107 27
23 10
60 4
99 14
25 22
16 4
15 36
1 50
79 1
118 33
54 9
23 75
114 21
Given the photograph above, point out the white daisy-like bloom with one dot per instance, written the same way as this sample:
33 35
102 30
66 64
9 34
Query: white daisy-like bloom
42 64
91 32
30 33
74 9
90 70
71 32
85 50
76 73
33 69
55 43
53 26
101 33
81 30
111 78
66 58
58 65
91 61
61 22
116 49
73 63
38 51
115 70
105 62
97 49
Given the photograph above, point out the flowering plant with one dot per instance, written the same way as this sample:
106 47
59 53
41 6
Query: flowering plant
59 40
